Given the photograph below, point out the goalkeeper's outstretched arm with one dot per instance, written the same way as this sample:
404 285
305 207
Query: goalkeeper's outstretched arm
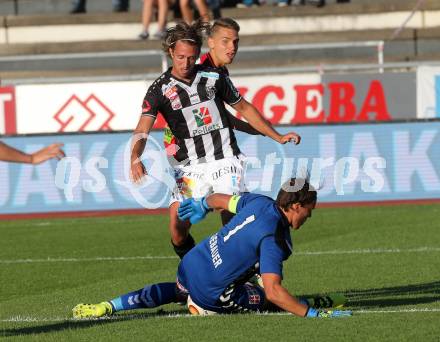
279 296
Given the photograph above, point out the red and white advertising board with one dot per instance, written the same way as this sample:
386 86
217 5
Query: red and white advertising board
117 105
79 107
283 99
428 92
8 123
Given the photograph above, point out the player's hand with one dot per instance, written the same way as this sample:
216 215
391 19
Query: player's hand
49 152
137 171
290 137
328 313
193 210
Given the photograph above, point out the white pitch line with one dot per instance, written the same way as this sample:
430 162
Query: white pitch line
159 257
49 260
397 311
373 251
23 319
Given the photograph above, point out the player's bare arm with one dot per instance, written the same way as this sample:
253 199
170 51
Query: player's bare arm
219 201
196 210
278 295
10 154
140 134
256 120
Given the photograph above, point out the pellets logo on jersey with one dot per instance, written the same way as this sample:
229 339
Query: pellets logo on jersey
202 116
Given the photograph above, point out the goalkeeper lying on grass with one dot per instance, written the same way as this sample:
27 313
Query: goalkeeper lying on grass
214 276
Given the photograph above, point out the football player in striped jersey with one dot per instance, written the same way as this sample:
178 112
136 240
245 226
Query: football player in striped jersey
192 100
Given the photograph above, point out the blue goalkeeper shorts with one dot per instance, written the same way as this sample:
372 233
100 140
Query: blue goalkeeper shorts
241 298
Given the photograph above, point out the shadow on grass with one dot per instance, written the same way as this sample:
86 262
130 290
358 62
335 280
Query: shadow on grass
357 298
404 295
411 294
82 324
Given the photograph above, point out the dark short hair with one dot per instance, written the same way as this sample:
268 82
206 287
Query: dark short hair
192 34
228 23
296 190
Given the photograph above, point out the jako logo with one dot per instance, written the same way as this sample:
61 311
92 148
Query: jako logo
91 115
202 116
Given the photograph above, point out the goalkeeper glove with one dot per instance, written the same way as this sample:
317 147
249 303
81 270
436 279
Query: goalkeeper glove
193 210
328 313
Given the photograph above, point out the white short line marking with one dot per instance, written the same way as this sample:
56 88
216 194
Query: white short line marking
24 319
158 257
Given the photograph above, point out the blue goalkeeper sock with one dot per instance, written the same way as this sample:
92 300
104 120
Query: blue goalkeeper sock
150 296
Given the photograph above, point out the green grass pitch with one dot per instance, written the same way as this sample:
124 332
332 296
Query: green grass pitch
385 259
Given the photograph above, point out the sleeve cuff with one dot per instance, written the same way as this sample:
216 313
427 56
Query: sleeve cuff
233 203
233 103
151 115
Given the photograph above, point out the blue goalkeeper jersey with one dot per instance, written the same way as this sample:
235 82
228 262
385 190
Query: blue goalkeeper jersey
258 235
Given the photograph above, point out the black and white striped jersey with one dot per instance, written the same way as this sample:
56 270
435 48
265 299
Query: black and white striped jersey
196 113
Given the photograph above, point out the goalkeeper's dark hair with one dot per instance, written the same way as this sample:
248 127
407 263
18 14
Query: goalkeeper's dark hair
228 23
296 190
189 33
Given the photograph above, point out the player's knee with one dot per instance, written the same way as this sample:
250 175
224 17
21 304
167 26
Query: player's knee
184 247
179 232
178 239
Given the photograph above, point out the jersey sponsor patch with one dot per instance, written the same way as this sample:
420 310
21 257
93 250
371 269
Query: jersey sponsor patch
170 91
176 104
202 118
169 87
194 96
210 75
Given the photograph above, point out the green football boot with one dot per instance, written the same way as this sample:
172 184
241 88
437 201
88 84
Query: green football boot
92 310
